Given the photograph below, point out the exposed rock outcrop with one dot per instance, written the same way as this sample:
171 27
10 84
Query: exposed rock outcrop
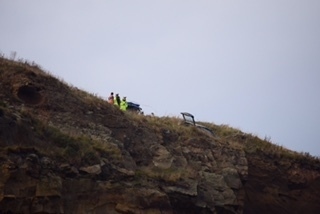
64 151
189 178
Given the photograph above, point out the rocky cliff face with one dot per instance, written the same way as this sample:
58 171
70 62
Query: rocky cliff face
64 151
279 185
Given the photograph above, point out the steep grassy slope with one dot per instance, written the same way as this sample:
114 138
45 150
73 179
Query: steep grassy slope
63 150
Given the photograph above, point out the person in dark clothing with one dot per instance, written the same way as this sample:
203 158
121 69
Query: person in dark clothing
117 100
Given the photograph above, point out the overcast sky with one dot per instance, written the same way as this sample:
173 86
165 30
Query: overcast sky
251 64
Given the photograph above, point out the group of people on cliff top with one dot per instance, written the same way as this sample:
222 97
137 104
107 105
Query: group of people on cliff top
122 104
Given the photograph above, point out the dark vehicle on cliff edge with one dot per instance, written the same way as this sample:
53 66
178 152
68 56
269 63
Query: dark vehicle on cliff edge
134 107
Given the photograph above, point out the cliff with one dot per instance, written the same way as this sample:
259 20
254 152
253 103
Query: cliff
63 150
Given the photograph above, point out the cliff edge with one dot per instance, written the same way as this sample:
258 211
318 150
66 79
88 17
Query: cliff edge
63 150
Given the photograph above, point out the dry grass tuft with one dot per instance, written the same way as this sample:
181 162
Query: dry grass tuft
81 150
170 175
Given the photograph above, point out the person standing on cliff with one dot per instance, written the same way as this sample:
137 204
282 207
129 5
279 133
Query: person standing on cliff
117 101
124 104
111 98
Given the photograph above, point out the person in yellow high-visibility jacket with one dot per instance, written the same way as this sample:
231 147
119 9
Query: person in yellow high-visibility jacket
117 100
124 104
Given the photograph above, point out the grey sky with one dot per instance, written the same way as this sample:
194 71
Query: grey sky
254 65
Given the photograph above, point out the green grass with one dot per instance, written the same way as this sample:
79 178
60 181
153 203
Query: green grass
82 150
50 141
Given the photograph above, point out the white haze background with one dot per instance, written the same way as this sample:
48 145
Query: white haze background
254 65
